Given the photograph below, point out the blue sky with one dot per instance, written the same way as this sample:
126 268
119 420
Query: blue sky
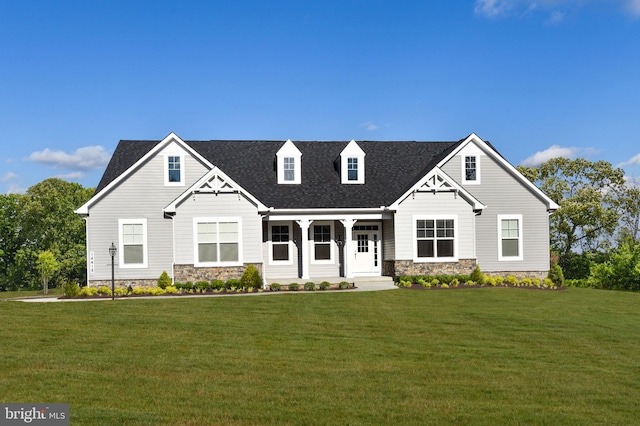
536 78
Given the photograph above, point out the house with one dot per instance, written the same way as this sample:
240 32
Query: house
303 210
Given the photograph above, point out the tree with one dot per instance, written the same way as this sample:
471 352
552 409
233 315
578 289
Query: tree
47 265
630 219
589 197
11 239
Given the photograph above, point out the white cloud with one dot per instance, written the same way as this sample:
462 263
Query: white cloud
86 158
554 151
8 176
71 176
369 126
634 161
555 8
14 188
632 181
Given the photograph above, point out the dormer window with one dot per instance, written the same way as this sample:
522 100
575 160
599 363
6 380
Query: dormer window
352 164
174 169
470 168
289 164
470 162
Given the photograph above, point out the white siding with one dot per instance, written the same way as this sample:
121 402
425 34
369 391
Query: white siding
142 195
441 203
502 193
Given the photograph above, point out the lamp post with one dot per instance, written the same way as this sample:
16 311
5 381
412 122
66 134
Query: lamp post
112 251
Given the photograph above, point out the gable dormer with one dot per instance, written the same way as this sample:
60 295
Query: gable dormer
352 164
289 164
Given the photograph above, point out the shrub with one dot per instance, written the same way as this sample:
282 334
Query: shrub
512 280
88 291
274 286
121 291
171 289
140 290
435 282
527 282
232 283
251 278
477 276
556 275
548 282
345 285
454 282
325 285
294 287
310 286
71 289
217 284
202 285
536 282
104 290
423 283
164 280
445 285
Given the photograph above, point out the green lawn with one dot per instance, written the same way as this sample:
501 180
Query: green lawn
475 356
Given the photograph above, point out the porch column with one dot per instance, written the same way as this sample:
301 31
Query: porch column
348 245
304 247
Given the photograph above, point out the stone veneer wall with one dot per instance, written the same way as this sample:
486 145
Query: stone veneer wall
184 273
124 283
409 267
520 274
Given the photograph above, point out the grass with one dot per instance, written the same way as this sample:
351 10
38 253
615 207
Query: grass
53 292
482 356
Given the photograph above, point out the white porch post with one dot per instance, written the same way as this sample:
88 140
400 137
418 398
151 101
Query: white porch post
304 246
348 244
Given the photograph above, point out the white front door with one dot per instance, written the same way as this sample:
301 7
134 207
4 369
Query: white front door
366 256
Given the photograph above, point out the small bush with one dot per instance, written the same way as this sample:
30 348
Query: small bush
310 286
232 283
556 275
140 290
121 291
527 282
454 282
274 286
88 291
104 290
164 280
294 287
251 278
325 285
345 285
156 291
71 289
423 283
548 282
217 284
202 285
476 275
512 280
445 285
171 289
536 282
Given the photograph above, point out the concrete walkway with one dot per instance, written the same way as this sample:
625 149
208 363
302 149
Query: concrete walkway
362 284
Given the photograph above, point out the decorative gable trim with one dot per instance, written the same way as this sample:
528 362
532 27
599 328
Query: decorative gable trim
214 182
169 139
438 181
352 164
289 164
475 139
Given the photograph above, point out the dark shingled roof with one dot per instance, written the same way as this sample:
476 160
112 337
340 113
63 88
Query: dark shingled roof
391 168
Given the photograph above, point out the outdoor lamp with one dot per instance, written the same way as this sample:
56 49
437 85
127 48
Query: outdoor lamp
112 251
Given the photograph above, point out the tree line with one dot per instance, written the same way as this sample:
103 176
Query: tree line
594 235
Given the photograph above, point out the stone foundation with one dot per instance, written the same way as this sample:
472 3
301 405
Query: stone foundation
519 274
190 273
124 283
409 267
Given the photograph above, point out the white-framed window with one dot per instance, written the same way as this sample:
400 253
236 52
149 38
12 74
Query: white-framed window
133 247
289 169
281 243
352 168
174 170
436 238
510 237
471 169
322 242
217 241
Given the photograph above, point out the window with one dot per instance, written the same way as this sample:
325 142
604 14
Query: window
133 243
510 237
470 170
174 170
217 241
280 244
322 242
289 169
436 239
352 169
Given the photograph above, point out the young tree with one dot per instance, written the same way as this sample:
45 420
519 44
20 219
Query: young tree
47 265
589 197
630 210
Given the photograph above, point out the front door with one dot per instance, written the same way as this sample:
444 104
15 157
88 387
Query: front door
366 250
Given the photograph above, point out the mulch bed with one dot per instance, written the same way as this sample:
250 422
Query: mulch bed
463 286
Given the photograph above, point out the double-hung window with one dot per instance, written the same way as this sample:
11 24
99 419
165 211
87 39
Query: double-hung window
322 242
174 170
510 237
281 243
289 169
435 239
133 243
470 168
352 168
217 241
